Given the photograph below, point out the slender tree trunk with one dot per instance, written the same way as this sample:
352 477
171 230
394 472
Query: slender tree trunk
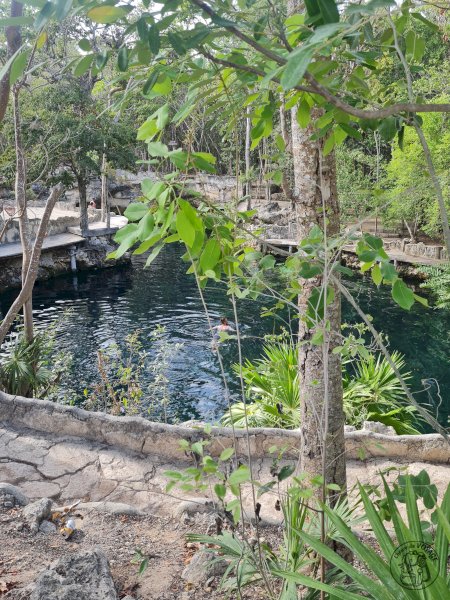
21 202
33 266
104 196
248 185
286 172
84 220
13 40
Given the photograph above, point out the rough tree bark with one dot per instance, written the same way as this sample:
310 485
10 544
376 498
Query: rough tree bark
322 417
84 220
33 265
248 185
13 41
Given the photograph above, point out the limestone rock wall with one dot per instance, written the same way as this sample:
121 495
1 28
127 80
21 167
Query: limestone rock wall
160 440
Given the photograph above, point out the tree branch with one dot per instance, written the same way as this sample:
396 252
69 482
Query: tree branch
320 90
33 266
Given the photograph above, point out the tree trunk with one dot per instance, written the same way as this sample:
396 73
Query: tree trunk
322 448
104 196
21 203
13 40
33 266
248 185
322 420
84 220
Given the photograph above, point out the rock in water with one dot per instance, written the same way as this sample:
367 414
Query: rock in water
81 576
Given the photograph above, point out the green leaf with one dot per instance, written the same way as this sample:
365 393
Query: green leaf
388 128
44 16
62 9
303 113
329 11
220 490
18 67
122 59
388 271
241 475
421 299
226 454
185 229
153 39
135 211
106 13
156 250
424 20
85 45
298 62
402 294
148 85
377 277
157 149
329 144
210 255
285 472
83 65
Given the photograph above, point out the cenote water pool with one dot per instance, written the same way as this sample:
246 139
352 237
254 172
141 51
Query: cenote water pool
104 306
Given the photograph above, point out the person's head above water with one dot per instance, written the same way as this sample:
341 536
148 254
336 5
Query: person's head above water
224 321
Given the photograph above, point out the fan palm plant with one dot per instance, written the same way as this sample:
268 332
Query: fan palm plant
372 391
272 387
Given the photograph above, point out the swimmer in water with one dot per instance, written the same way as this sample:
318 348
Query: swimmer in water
224 326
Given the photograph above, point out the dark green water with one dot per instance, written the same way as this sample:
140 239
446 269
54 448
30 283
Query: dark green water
108 304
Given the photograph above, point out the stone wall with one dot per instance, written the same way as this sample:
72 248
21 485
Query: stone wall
418 249
160 440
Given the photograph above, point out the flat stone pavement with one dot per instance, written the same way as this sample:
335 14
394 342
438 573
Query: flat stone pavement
67 469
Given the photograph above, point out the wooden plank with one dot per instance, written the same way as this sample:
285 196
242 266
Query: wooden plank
53 241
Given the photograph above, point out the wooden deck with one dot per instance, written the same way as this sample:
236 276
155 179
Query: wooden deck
53 241
397 256
71 237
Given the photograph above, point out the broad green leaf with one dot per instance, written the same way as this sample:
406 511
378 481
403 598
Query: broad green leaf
303 113
83 65
185 228
210 255
18 67
402 294
106 13
44 16
329 144
220 490
157 149
135 211
298 62
388 128
148 85
240 475
62 9
377 277
154 254
153 39
122 59
226 454
329 11
85 45
42 38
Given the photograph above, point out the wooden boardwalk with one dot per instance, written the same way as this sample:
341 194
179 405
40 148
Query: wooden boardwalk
397 256
70 238
52 241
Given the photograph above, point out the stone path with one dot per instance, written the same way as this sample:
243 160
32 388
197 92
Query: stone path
69 468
